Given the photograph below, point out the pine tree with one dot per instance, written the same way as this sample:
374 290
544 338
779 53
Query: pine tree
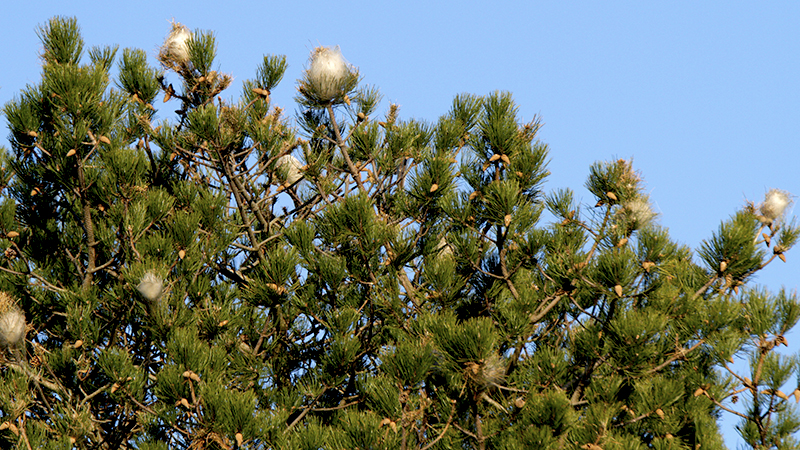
226 279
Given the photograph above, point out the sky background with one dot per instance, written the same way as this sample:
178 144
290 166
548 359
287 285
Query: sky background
703 96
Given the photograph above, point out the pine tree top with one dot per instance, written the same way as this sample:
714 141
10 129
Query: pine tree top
189 283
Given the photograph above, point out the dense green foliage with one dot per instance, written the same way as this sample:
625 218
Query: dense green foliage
228 280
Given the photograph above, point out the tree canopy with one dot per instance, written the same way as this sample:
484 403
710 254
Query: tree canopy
230 277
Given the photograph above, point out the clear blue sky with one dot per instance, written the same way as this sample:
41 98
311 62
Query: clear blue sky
704 96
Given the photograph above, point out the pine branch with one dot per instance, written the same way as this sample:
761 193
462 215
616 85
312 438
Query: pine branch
88 224
680 354
343 148
305 410
446 426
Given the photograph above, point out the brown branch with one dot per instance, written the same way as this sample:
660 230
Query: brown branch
19 367
261 337
478 427
468 433
599 235
305 410
680 354
240 204
542 312
705 286
411 292
726 408
446 426
151 411
504 268
105 265
23 433
75 262
335 408
88 224
38 277
95 393
634 420
341 144
582 381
